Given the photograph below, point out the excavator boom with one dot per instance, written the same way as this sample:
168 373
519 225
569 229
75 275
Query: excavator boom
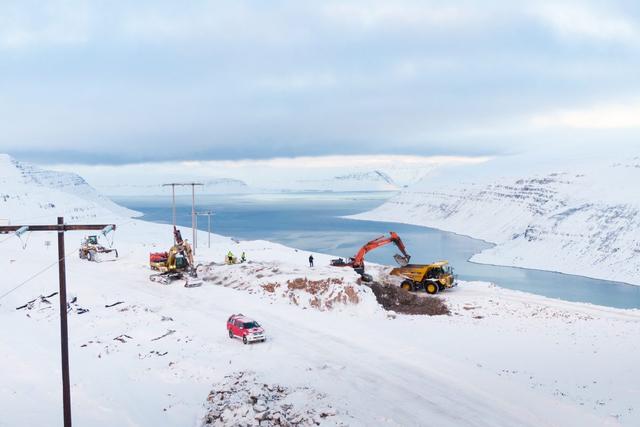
357 262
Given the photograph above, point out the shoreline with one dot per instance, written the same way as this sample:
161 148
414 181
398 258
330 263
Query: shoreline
364 216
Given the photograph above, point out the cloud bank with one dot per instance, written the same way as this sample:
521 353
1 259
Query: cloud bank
123 82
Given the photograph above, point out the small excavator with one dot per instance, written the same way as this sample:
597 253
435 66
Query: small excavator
175 264
357 262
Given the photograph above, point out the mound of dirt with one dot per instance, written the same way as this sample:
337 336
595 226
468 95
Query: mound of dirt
396 299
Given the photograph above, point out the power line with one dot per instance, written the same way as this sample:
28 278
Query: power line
35 275
4 240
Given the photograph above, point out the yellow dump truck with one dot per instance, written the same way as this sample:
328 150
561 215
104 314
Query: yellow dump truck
431 278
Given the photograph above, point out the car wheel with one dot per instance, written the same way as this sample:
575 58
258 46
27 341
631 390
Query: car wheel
230 334
244 340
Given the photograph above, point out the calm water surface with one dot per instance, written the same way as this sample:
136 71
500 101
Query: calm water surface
312 222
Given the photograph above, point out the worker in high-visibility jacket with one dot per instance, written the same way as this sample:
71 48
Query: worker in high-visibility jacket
230 258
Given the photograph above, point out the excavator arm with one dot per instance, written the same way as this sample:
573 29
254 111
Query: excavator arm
358 260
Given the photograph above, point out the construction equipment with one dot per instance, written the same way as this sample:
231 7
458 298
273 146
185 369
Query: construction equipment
431 278
91 250
176 264
357 262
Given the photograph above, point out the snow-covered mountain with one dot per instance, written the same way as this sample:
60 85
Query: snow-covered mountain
28 193
581 220
374 180
296 174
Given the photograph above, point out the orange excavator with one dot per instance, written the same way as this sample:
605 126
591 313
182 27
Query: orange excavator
357 262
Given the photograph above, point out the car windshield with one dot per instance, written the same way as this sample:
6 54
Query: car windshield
250 325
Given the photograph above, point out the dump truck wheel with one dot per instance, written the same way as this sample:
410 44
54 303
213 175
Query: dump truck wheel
431 288
407 286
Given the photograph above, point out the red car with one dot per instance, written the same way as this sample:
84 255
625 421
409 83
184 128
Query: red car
241 326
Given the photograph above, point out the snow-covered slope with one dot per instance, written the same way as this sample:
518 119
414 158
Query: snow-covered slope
153 357
28 193
581 220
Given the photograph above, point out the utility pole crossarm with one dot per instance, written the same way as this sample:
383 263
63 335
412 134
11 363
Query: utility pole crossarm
4 229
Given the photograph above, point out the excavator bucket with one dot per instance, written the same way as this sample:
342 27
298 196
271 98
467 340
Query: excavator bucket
401 260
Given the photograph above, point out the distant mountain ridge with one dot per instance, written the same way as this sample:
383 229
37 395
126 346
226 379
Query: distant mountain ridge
375 175
374 180
210 186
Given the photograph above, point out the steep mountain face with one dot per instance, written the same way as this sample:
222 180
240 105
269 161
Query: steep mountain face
28 193
585 221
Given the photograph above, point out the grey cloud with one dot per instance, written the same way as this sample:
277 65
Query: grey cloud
160 81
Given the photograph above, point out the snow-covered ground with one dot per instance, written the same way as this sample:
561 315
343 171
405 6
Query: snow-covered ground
156 357
579 219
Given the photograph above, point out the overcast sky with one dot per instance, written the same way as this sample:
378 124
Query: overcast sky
122 82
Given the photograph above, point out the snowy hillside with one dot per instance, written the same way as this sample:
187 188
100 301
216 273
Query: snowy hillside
28 193
579 220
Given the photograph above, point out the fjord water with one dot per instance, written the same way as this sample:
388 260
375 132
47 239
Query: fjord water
314 222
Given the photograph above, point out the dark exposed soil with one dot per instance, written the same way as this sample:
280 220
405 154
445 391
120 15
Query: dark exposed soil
396 299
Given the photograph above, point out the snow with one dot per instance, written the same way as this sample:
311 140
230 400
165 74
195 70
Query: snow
28 193
503 358
579 219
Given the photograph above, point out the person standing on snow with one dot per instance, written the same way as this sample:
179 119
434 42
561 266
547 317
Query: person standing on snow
310 260
243 258
230 257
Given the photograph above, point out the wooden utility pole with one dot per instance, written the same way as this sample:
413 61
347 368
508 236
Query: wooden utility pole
61 228
208 214
173 198
193 207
